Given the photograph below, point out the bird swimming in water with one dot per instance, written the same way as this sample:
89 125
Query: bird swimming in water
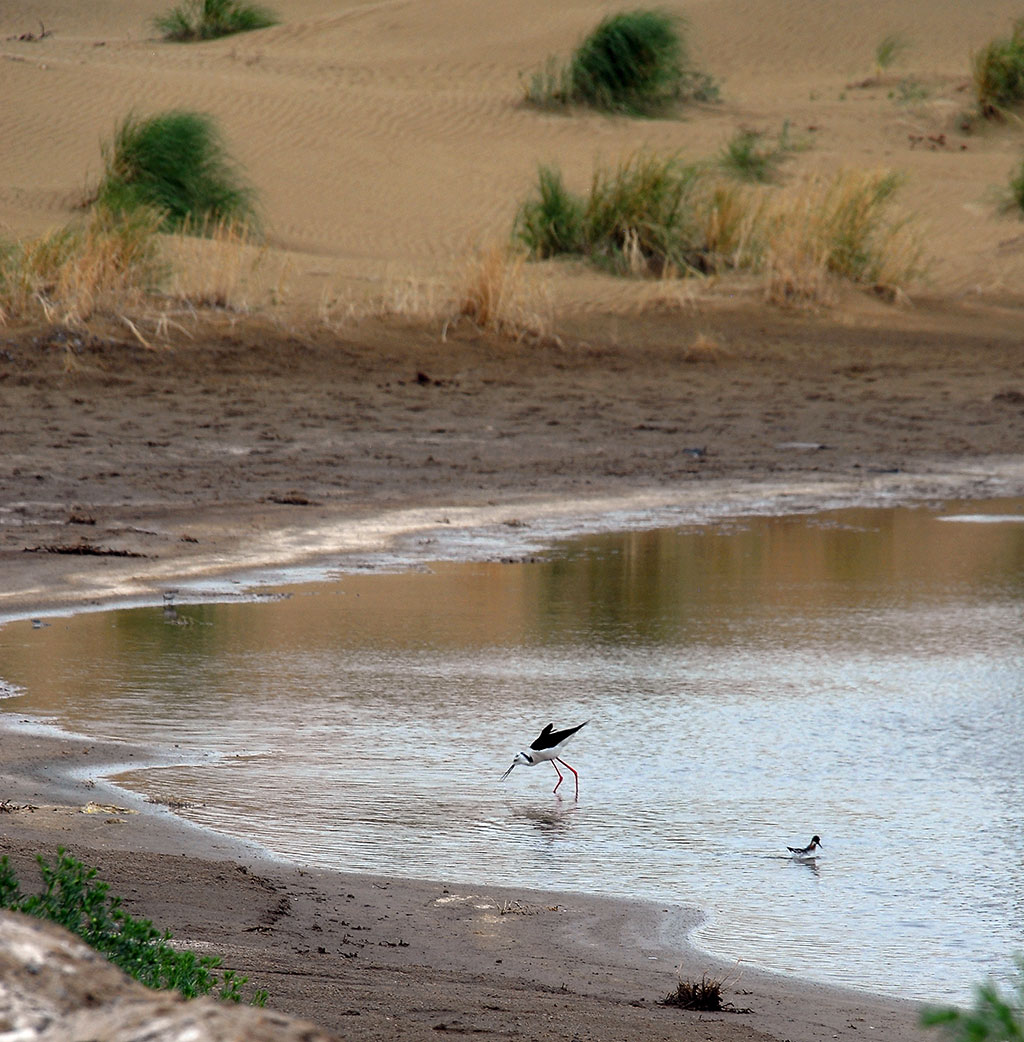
807 851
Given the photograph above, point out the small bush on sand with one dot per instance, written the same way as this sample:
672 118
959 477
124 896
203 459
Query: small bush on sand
551 224
635 63
751 156
74 899
999 74
994 1018
104 262
175 163
495 293
636 219
209 19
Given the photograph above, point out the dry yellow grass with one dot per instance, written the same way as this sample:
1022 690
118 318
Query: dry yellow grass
222 265
731 218
839 226
492 287
101 264
496 292
121 267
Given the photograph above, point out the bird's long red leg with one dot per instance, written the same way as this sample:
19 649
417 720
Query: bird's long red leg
559 773
574 774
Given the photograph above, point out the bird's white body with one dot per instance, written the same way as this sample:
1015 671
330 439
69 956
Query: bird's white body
532 758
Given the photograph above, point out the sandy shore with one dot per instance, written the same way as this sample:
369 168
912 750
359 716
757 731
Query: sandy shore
375 957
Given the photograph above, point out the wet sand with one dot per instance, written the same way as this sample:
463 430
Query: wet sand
125 471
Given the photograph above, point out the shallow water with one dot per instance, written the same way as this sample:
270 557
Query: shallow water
859 674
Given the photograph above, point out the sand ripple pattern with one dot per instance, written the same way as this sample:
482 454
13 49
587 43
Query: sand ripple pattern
392 132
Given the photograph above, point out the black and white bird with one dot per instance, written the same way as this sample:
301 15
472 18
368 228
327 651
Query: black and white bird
546 747
807 851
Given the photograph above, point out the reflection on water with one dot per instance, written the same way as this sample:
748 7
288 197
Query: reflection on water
858 674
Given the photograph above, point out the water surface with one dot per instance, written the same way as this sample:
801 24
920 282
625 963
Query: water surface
858 674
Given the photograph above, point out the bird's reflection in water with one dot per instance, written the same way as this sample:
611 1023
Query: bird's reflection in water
548 819
810 863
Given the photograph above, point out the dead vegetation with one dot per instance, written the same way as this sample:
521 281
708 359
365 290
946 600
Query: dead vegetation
492 290
704 995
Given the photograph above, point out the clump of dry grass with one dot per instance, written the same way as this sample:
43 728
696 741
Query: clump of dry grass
496 293
120 266
838 226
704 994
492 289
704 348
105 263
414 299
221 264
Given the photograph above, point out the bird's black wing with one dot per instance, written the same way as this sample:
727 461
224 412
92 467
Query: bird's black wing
548 739
544 739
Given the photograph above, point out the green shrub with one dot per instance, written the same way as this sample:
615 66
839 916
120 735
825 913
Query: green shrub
72 898
659 215
631 62
635 63
638 217
209 19
999 74
1017 189
175 163
750 156
552 223
994 1018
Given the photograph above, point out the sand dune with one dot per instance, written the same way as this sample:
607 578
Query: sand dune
386 137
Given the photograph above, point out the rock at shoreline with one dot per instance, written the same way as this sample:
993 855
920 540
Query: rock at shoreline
53 988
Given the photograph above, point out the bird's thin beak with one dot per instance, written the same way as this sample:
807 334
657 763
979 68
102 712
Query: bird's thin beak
507 773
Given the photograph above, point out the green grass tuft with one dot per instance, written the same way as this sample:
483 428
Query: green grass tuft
636 219
636 63
999 74
551 223
73 898
750 156
175 163
631 63
210 19
889 50
994 1018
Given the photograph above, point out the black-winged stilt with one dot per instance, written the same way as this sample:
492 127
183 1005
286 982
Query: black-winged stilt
807 851
546 748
